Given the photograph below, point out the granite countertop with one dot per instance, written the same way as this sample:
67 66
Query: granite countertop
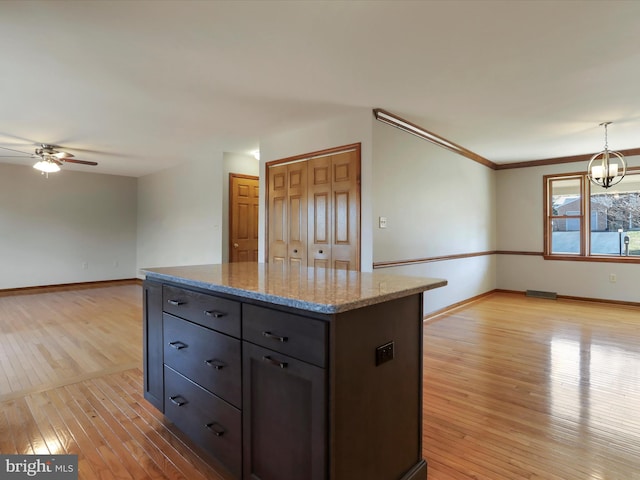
313 289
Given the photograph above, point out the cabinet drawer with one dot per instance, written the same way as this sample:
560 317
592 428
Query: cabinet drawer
209 358
209 421
207 310
300 337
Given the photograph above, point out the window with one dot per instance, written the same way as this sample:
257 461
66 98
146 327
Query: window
583 221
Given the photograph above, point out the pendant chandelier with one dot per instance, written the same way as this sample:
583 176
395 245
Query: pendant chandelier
607 167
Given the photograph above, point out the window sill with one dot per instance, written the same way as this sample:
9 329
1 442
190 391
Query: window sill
599 258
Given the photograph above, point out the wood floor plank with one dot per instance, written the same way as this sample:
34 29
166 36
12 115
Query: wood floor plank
47 441
85 448
156 459
122 436
118 459
7 445
15 421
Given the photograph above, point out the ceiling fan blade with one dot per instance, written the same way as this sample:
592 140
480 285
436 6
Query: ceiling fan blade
82 162
15 156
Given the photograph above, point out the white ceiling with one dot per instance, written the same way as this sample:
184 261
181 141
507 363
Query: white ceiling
142 85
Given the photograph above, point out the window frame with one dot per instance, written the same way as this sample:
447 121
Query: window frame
584 218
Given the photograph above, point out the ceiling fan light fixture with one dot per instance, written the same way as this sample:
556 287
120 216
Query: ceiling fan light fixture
606 168
46 166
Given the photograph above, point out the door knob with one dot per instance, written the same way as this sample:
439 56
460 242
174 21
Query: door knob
235 245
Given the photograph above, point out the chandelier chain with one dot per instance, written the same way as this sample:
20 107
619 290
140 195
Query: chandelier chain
606 139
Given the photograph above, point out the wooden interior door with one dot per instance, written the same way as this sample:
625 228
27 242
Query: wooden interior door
243 218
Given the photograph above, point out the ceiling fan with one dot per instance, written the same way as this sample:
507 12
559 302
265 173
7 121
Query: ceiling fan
50 159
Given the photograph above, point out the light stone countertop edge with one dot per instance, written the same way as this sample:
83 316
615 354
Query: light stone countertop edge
418 285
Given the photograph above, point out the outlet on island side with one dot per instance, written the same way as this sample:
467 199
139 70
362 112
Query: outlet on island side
384 353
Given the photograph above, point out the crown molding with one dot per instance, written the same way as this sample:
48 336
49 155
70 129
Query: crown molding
394 120
414 129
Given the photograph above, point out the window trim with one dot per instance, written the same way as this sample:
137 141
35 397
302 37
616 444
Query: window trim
584 218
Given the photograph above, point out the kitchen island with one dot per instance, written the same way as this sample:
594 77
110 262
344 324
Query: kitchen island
290 374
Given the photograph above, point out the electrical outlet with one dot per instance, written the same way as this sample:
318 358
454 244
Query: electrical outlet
382 222
613 278
384 353
85 265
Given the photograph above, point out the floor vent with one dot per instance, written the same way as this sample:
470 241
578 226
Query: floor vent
539 294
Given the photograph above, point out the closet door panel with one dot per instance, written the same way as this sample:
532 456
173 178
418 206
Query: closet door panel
297 221
278 225
345 249
320 212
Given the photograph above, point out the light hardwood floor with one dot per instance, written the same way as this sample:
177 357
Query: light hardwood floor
71 382
514 388
524 388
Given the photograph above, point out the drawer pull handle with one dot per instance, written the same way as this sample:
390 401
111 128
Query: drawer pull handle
178 345
178 400
217 364
216 428
214 314
275 337
267 358
175 303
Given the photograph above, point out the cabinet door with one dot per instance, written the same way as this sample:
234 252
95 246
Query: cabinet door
152 343
284 420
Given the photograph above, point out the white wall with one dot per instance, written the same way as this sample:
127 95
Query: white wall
520 208
437 203
233 163
180 214
352 127
52 228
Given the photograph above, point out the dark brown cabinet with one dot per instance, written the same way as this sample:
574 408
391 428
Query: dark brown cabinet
284 425
281 393
208 420
207 357
152 343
